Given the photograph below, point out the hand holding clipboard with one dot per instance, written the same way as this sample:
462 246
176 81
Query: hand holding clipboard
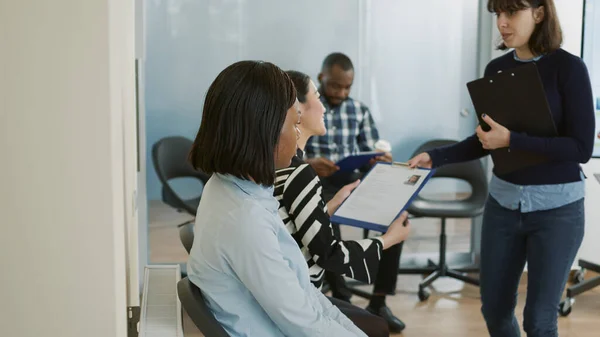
385 192
516 100
495 137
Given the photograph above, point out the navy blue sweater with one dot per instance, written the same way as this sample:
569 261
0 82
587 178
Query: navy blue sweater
568 90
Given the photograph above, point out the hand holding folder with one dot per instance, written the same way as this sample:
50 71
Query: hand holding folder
496 138
354 162
515 99
385 192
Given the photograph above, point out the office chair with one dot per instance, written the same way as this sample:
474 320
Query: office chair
169 156
580 284
471 172
193 302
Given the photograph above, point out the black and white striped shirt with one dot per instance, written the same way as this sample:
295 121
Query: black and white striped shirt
304 213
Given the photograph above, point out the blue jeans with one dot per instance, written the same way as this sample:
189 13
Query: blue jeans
548 241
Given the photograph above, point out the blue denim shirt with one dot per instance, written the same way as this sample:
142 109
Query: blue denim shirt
535 197
250 269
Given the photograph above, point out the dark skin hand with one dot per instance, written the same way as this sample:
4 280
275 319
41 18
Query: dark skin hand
323 166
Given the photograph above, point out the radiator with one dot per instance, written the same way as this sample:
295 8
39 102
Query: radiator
161 310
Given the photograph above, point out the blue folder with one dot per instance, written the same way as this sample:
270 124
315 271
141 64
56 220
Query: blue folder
381 227
354 162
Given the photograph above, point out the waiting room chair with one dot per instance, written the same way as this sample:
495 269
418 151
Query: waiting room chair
580 284
169 156
170 159
193 303
471 172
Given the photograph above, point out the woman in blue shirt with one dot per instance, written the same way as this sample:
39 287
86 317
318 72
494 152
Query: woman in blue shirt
247 265
535 214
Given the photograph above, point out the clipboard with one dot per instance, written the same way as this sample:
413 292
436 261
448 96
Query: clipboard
399 187
354 162
516 99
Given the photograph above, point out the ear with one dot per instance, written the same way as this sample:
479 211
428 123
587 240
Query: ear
538 14
320 77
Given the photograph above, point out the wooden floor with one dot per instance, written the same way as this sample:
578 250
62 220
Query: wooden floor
453 309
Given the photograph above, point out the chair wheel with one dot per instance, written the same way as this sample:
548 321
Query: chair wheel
423 295
564 309
578 276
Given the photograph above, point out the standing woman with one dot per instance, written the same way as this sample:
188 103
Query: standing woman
534 215
247 265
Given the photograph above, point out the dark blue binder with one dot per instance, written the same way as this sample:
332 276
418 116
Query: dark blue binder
354 162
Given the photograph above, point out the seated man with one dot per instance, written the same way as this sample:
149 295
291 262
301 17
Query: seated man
350 129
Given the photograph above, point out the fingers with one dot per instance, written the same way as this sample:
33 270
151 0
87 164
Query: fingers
492 123
418 160
330 166
404 218
387 157
329 163
350 187
482 136
414 162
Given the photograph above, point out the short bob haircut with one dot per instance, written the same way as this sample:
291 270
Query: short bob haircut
547 35
301 82
244 112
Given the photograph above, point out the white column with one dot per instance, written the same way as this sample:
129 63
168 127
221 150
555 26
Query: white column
65 118
142 199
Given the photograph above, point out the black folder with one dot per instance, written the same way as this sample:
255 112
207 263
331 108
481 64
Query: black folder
515 98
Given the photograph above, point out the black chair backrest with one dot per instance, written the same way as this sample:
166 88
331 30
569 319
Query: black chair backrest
193 302
170 159
471 171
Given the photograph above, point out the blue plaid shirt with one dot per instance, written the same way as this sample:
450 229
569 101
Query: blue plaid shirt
350 130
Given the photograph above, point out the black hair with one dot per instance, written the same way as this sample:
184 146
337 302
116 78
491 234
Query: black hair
301 82
243 114
338 59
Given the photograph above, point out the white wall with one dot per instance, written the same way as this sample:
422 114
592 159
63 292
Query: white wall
412 60
570 14
591 56
66 100
590 249
141 200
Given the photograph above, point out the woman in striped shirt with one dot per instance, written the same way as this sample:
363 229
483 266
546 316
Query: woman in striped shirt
306 216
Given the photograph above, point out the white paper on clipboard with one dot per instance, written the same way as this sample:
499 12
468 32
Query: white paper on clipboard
383 194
